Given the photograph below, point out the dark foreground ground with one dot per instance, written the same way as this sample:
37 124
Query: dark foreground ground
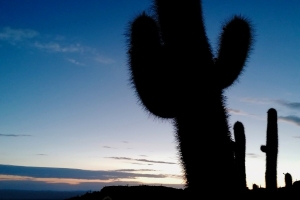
37 195
144 192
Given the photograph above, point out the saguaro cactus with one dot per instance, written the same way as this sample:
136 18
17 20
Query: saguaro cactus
240 153
175 75
288 180
271 150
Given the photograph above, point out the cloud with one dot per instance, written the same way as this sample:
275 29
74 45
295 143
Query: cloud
134 170
17 35
252 155
296 137
67 173
237 112
291 105
256 100
107 147
176 176
56 47
41 154
103 60
125 141
134 163
75 62
143 155
54 44
291 119
14 135
242 113
142 160
73 48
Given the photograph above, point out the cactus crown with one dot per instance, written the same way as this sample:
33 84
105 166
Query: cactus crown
170 57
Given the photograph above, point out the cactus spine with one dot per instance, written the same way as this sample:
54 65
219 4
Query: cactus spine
240 153
271 150
170 61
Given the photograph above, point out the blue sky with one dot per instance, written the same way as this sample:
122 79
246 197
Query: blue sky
66 102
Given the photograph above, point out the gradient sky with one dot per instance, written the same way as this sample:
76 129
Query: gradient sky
70 119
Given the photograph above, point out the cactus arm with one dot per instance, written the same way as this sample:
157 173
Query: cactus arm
263 148
148 73
234 45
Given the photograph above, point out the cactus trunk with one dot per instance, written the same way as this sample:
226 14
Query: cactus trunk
271 150
240 153
216 162
288 180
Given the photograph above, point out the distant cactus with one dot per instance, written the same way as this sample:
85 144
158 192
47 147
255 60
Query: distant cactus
175 75
288 180
271 150
240 153
254 187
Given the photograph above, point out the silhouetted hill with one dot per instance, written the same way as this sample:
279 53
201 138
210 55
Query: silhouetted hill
39 195
145 192
133 192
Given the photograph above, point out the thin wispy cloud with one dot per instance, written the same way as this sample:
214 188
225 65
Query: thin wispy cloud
104 60
242 113
56 47
17 35
41 154
290 119
291 105
252 155
298 137
67 173
14 135
142 160
134 170
134 163
287 104
55 44
256 100
75 62
237 112
108 147
176 176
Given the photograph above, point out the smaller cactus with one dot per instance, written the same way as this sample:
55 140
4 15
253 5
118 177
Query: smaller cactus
254 187
240 153
271 150
288 180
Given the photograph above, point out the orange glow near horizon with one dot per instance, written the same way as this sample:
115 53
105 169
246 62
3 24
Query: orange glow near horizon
70 181
79 181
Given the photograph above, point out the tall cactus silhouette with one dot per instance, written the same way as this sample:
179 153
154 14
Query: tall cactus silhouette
240 153
175 75
271 150
288 180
